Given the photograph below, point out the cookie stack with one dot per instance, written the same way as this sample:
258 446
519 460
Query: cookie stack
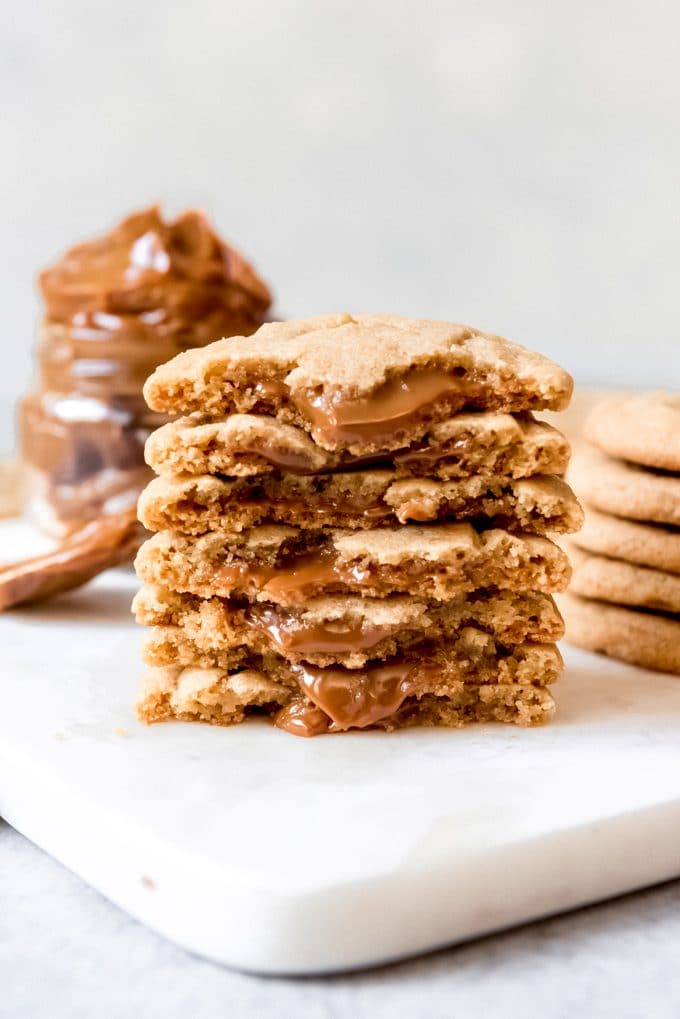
351 528
625 595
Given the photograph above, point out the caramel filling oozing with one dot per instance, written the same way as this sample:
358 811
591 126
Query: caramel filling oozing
350 698
299 579
393 407
300 718
290 634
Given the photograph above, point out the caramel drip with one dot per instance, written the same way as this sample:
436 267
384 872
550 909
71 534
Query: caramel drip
393 407
300 718
350 698
357 697
291 634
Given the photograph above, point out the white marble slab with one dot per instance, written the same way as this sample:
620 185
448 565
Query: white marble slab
278 854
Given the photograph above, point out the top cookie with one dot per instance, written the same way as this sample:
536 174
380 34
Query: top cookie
359 383
644 428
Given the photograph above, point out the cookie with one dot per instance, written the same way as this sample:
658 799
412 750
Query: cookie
474 654
288 566
644 428
614 580
342 630
195 504
384 697
245 444
641 638
655 545
624 489
359 383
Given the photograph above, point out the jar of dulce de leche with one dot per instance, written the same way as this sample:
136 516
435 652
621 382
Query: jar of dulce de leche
115 308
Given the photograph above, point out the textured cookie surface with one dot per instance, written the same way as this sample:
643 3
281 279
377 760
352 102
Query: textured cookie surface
656 545
341 376
195 504
644 428
345 630
624 489
245 444
614 580
288 566
641 638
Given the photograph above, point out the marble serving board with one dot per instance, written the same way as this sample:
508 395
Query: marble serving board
284 855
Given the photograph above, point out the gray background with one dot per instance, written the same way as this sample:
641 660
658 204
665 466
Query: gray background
513 165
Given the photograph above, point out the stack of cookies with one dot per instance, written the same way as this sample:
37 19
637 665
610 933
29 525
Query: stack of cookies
351 525
625 595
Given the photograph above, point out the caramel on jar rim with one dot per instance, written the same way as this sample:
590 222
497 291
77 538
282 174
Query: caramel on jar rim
162 274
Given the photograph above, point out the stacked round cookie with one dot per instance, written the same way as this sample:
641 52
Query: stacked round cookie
624 599
351 528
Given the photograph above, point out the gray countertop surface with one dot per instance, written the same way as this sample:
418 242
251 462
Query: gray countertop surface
66 952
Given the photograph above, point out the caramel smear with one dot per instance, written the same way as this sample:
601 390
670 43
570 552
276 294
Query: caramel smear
99 545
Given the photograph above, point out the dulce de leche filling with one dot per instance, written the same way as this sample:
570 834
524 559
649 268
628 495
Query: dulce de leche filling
418 457
295 580
349 698
153 277
394 407
327 637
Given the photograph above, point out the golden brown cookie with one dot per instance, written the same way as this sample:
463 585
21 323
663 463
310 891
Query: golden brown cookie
359 383
644 428
623 583
656 545
624 489
241 445
641 638
288 566
195 504
341 630
370 701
